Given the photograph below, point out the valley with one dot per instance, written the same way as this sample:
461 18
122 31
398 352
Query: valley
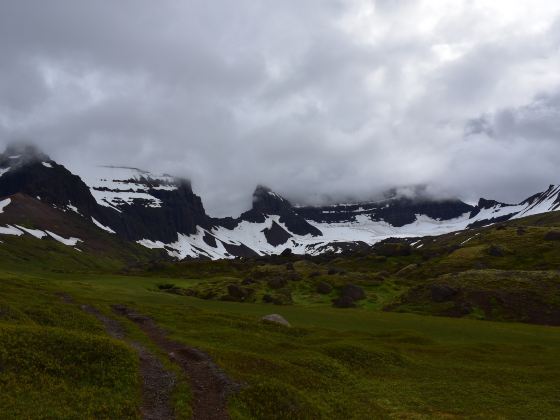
436 310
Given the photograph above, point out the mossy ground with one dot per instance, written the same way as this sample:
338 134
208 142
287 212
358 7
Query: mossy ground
333 363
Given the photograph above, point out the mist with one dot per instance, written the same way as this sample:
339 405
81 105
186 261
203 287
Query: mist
319 100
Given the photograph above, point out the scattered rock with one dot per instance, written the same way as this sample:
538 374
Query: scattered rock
324 288
553 235
277 283
442 292
344 302
276 319
286 253
354 292
237 292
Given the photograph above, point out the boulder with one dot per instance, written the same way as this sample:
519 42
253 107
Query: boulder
237 292
277 282
275 319
324 288
286 253
442 292
354 292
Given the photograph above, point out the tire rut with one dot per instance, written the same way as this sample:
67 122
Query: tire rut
157 382
210 385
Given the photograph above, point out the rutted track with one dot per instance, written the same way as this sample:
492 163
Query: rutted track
210 385
157 382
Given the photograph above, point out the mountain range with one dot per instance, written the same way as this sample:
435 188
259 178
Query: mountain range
41 198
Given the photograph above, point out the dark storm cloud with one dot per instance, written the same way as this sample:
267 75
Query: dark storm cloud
314 98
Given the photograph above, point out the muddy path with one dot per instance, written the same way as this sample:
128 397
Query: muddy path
209 384
157 382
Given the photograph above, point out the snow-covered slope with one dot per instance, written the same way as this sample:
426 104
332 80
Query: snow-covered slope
361 228
162 212
114 186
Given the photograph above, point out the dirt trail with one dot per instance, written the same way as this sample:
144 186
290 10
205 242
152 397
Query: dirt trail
210 385
157 382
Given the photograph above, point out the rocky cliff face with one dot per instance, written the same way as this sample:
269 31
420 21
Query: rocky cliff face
160 211
398 211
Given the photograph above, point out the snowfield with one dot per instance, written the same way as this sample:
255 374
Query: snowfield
363 229
114 187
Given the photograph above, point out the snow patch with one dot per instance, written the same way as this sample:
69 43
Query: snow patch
10 230
99 225
4 170
68 242
39 234
4 203
46 164
70 206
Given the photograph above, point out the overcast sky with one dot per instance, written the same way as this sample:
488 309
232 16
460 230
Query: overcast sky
313 98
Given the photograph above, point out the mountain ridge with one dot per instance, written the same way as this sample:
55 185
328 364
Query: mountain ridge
163 212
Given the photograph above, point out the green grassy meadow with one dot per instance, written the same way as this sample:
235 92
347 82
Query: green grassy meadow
333 363
388 357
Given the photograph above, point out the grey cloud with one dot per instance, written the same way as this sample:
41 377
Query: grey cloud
294 94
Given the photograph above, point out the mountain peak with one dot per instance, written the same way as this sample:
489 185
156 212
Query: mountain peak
267 201
20 153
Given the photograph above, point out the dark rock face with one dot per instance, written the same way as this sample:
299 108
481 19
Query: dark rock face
354 292
266 202
286 253
54 184
35 174
396 211
484 204
276 235
181 212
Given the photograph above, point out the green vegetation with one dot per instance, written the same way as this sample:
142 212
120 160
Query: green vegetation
362 362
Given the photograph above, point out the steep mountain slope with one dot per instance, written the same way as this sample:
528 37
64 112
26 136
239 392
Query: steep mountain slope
162 212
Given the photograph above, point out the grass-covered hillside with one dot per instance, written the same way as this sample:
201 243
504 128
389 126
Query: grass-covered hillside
363 341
